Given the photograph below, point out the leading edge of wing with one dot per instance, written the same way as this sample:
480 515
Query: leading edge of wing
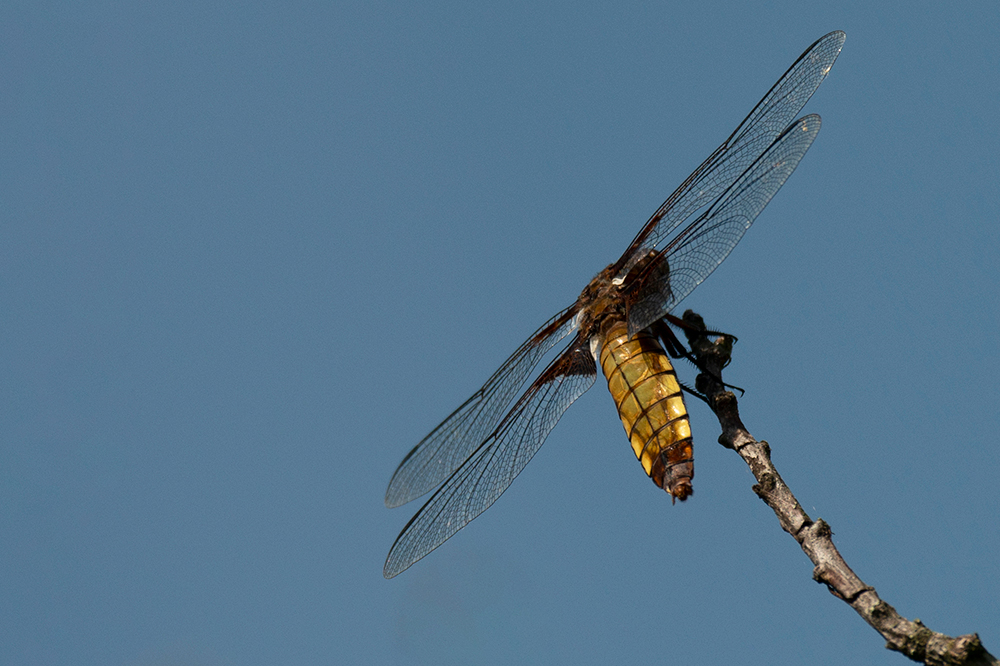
494 464
755 134
442 451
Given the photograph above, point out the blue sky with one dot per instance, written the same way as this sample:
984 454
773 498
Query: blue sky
250 255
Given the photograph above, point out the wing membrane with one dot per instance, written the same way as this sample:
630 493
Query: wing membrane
744 146
707 241
491 468
447 446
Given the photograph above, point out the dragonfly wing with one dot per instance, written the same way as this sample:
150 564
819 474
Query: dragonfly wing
449 445
751 138
491 467
708 240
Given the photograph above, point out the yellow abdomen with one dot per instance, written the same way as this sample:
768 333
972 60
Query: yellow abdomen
644 387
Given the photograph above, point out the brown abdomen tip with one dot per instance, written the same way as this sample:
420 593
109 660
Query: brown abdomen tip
681 489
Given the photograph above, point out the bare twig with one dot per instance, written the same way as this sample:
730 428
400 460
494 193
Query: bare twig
910 637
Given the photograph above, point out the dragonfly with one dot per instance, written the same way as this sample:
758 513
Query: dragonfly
620 324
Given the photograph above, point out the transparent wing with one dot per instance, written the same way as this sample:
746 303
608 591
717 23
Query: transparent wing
752 137
447 446
697 250
491 468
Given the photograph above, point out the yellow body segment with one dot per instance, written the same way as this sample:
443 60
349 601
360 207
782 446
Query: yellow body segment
644 386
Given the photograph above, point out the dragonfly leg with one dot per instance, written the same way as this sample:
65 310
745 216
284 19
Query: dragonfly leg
693 326
676 349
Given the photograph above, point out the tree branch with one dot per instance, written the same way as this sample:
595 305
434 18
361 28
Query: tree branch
911 638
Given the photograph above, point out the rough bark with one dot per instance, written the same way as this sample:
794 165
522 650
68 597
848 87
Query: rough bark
909 637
